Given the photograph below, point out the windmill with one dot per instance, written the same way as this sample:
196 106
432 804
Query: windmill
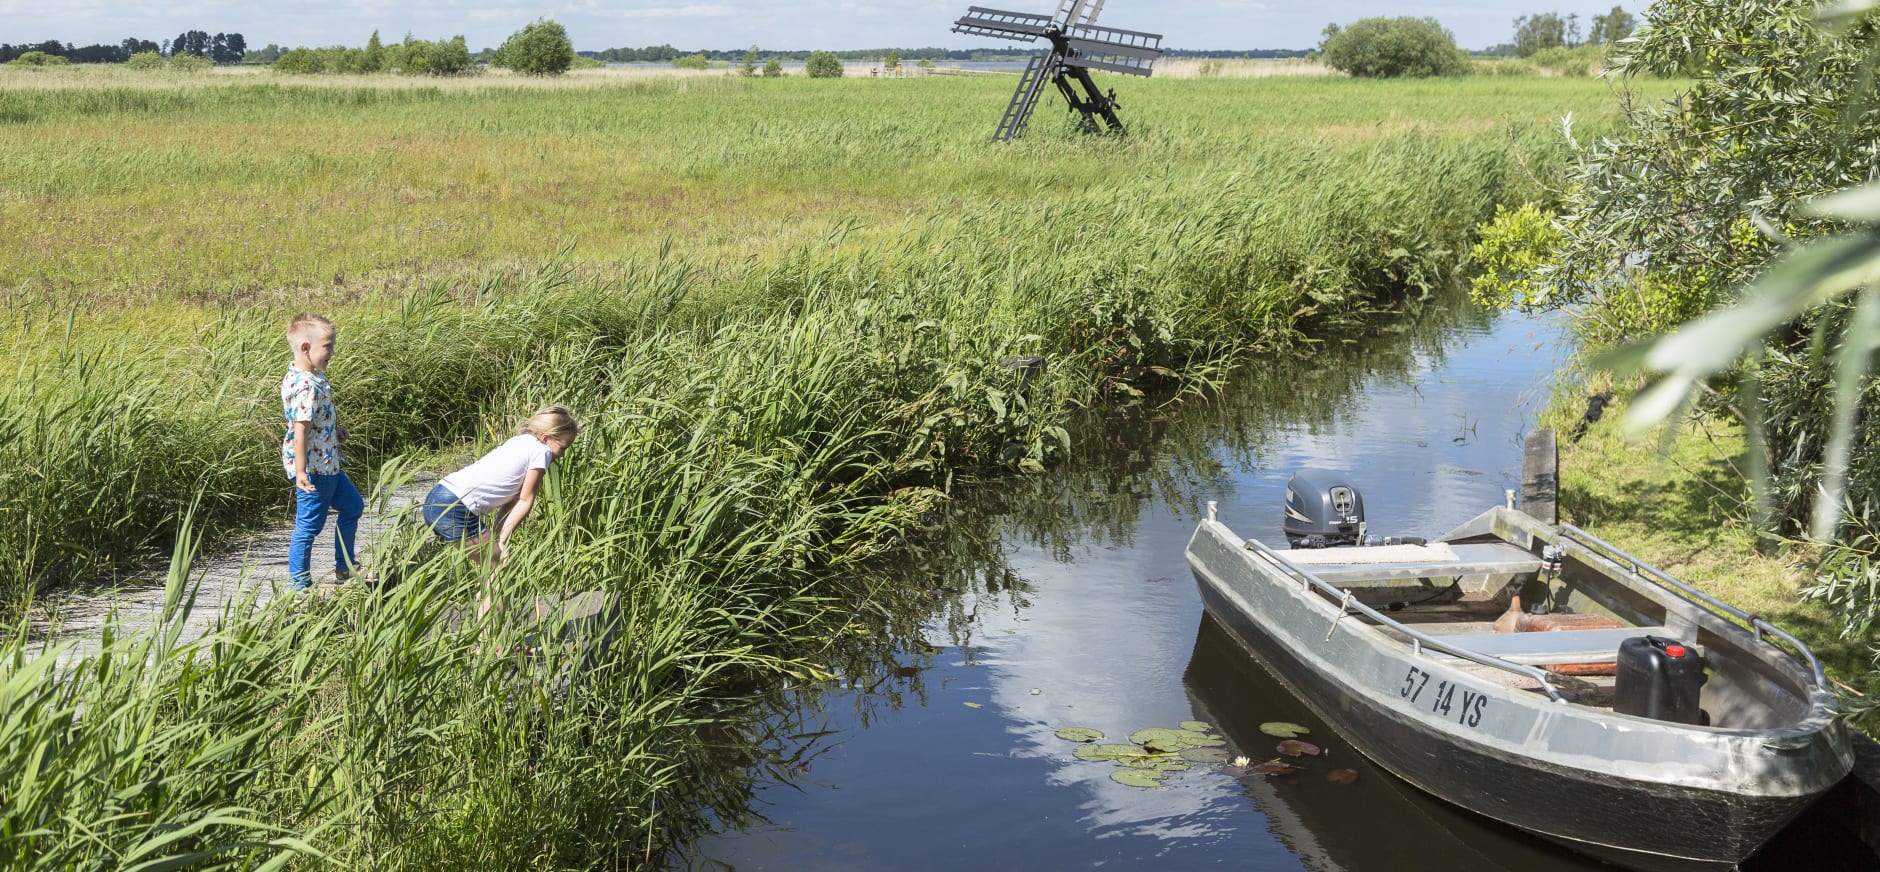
1078 46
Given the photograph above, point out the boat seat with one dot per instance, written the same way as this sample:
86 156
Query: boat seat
1551 646
1475 558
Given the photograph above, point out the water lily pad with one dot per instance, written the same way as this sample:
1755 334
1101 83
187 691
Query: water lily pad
1109 752
1295 747
1162 763
1138 778
1079 734
1204 755
1274 767
1283 729
1197 726
1342 776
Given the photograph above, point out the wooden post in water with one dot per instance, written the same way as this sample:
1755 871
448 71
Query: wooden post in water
1540 476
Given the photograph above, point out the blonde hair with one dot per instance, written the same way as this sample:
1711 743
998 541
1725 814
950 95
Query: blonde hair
551 422
302 322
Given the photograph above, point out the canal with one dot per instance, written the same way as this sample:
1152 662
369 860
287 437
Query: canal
1063 600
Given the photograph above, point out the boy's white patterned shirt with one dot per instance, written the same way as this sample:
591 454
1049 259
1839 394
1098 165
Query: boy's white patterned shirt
306 396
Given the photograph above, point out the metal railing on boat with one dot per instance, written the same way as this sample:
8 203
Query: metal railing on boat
1419 640
1698 597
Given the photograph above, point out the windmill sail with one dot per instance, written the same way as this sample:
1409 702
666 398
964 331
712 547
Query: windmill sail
1025 97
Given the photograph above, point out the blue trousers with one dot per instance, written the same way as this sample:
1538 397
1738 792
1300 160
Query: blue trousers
330 492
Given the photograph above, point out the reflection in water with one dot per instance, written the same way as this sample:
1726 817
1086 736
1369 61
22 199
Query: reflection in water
1064 600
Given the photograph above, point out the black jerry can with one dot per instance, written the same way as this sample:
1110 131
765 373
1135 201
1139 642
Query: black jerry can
1659 678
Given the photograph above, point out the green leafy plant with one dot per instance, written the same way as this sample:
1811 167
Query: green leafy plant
1391 47
540 48
823 65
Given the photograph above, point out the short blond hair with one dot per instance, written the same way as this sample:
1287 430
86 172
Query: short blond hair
305 321
551 422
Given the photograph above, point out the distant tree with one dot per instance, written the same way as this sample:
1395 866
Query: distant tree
749 66
891 62
823 65
38 59
189 63
1533 33
417 57
145 60
692 62
134 45
1612 27
538 49
773 69
373 61
1392 47
194 42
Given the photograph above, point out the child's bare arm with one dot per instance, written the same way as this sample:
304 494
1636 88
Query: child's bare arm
303 434
512 518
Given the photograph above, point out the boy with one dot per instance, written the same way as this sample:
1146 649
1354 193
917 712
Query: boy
310 453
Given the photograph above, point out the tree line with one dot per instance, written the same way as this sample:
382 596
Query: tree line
222 48
1406 46
668 54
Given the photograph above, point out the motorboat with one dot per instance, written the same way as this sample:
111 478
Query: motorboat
1535 674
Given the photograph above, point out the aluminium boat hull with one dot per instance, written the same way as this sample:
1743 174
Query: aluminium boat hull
1642 793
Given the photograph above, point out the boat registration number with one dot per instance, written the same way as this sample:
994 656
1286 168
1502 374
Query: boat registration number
1465 709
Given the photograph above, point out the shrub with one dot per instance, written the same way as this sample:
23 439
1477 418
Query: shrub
1391 47
692 62
145 60
301 61
823 65
749 66
773 69
189 63
538 49
417 57
38 59
584 63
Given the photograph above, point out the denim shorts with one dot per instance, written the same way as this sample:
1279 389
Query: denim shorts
448 517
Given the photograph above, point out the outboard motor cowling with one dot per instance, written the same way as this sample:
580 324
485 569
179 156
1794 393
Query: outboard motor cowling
1323 509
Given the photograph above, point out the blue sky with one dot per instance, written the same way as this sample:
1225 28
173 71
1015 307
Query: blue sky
832 24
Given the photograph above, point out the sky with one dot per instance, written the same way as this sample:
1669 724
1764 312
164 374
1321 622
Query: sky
779 24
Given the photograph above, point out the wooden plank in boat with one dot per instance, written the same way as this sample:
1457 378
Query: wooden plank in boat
1474 558
1553 646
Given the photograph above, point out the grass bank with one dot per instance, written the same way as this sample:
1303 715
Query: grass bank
782 364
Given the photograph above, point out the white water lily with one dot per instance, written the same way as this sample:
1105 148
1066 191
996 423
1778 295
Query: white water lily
1242 762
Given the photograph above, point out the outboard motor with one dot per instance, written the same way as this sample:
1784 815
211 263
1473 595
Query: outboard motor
1322 510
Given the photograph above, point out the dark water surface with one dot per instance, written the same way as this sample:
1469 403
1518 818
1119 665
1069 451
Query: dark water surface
1064 600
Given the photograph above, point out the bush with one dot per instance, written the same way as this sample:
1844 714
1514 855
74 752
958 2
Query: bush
538 49
582 63
417 57
1392 47
823 65
145 60
692 62
38 59
773 69
189 63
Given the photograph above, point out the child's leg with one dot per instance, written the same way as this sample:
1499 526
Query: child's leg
350 505
309 519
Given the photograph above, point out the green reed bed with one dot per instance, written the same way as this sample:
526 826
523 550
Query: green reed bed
755 425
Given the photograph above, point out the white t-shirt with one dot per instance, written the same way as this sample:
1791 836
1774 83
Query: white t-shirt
496 477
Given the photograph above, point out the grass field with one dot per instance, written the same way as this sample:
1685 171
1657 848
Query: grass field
781 309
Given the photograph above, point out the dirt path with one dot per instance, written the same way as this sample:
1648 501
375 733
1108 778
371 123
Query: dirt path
256 563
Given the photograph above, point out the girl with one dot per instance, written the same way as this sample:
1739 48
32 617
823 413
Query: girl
502 483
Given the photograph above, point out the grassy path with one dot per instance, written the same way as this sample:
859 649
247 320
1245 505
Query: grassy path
243 576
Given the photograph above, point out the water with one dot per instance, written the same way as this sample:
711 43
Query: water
1065 601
